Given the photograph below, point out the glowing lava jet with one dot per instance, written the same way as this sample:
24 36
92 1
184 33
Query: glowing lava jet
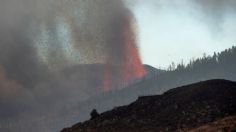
129 66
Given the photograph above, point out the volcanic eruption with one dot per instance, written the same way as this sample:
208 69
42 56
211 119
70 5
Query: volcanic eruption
129 67
57 52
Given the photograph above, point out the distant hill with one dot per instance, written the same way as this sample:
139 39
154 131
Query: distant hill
182 108
153 70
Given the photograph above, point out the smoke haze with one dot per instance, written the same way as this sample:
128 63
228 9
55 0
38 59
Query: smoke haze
47 46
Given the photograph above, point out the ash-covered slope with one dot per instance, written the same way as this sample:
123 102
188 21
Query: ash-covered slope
181 108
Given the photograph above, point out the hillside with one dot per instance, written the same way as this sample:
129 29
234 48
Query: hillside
186 107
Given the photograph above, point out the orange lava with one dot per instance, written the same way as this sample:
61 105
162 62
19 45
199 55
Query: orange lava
130 66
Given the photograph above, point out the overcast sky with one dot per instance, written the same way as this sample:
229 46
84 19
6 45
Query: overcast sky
172 30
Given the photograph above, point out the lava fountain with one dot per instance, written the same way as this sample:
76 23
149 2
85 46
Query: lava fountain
129 66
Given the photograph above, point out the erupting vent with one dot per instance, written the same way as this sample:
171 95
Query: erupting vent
130 66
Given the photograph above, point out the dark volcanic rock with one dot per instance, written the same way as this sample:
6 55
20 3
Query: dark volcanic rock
180 108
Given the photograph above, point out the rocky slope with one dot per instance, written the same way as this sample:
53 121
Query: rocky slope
179 109
227 124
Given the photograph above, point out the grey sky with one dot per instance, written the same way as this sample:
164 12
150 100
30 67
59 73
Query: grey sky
172 30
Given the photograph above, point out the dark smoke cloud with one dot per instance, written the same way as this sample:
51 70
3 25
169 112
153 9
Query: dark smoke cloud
26 25
46 47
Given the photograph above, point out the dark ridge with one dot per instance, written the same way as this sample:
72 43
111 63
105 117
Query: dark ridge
184 107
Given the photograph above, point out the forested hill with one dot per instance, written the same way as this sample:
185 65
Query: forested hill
220 65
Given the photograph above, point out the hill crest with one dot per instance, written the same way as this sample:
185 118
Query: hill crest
184 107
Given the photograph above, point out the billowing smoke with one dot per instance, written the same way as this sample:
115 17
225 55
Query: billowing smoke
59 52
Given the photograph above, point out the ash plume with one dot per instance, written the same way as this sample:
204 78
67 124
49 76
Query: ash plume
57 52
